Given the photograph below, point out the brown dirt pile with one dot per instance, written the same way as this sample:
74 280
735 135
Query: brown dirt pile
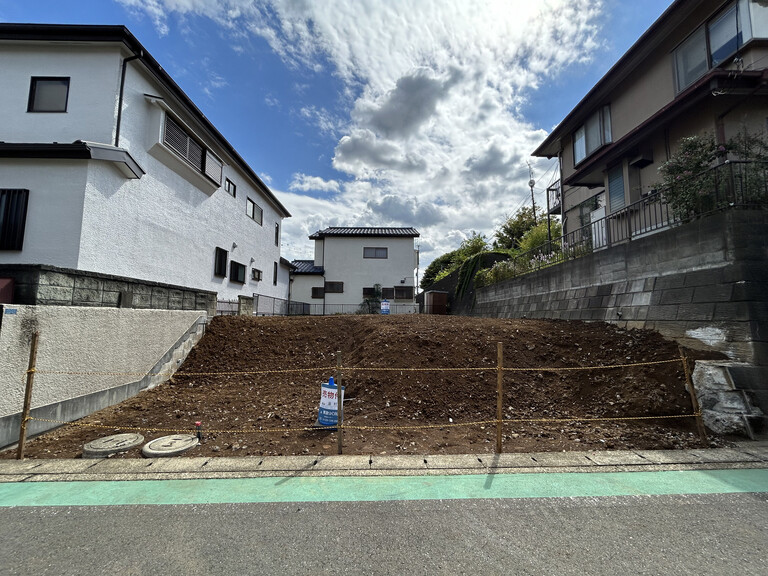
259 414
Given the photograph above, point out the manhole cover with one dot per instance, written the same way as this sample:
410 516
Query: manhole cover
103 447
169 445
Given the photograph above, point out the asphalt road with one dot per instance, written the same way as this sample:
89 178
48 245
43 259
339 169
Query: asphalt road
666 534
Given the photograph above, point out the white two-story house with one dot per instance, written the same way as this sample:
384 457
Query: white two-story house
107 167
349 263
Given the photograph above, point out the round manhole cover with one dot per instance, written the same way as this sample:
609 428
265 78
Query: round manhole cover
103 447
169 445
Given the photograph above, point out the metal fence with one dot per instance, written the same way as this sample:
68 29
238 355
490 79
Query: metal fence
734 184
270 306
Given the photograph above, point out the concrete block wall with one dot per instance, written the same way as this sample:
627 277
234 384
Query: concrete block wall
49 285
704 284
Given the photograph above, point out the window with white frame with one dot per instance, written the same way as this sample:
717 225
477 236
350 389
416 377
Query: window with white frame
253 210
593 134
48 94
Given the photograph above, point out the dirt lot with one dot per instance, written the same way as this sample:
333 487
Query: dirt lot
246 413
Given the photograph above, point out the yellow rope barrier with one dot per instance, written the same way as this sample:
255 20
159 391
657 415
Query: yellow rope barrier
358 369
354 427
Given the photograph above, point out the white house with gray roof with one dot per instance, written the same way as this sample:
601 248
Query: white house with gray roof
350 262
108 168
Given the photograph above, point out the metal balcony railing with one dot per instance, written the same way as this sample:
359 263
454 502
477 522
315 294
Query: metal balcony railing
734 184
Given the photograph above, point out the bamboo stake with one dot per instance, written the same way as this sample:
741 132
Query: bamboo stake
692 392
339 403
27 396
499 394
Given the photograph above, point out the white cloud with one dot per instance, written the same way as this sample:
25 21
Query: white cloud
304 183
433 136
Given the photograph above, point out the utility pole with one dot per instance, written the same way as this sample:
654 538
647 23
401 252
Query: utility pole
532 183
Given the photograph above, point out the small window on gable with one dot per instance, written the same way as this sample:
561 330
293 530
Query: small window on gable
236 272
48 94
253 210
13 218
220 263
230 187
372 252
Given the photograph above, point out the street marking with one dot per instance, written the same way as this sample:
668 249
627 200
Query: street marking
385 488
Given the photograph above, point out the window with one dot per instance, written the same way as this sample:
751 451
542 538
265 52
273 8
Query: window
230 187
691 59
369 292
403 292
388 293
47 94
220 263
593 134
253 210
256 274
318 292
334 287
616 187
13 218
724 36
375 253
713 44
178 140
237 272
277 234
274 274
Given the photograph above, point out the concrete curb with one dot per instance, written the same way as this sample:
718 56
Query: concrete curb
742 455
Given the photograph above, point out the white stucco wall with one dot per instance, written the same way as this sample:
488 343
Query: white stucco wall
54 210
74 339
82 214
342 259
94 73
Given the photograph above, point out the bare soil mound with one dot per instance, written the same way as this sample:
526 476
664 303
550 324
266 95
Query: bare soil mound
245 412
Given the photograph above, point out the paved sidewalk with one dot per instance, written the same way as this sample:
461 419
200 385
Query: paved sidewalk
752 454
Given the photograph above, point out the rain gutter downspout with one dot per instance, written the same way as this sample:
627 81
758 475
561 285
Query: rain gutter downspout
120 98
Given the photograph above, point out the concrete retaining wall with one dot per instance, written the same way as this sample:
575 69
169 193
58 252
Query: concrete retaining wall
131 349
704 284
49 285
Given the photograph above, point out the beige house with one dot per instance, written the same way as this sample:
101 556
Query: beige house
701 68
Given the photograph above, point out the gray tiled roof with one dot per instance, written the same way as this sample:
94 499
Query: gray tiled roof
340 231
306 267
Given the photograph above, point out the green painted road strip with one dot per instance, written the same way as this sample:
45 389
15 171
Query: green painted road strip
387 488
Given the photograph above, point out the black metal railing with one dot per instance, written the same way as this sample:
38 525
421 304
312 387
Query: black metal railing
733 184
554 197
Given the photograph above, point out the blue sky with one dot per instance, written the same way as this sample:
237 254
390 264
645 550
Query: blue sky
415 113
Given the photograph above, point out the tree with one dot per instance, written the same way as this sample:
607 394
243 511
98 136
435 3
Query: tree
450 261
509 234
438 265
